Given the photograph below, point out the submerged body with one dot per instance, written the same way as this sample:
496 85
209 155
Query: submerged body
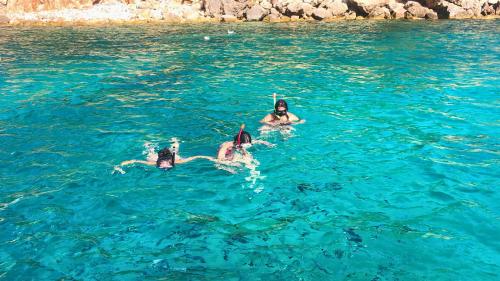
166 158
281 116
235 153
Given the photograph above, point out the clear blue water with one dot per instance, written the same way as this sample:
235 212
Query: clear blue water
394 176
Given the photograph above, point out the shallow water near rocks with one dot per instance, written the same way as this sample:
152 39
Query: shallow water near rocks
394 176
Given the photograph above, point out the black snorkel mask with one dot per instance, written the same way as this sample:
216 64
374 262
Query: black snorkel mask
241 138
280 103
165 155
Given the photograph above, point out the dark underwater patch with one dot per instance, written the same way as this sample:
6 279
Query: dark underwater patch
353 236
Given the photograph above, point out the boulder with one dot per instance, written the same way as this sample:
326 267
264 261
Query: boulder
266 5
229 18
274 18
448 10
213 8
337 7
380 13
365 7
256 13
431 15
307 9
235 8
4 19
397 10
294 8
321 13
280 5
156 14
350 15
487 9
275 12
415 9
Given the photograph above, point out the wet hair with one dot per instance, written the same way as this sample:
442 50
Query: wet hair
242 137
165 155
281 103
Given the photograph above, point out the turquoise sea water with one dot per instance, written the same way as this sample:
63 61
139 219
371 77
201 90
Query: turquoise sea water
394 175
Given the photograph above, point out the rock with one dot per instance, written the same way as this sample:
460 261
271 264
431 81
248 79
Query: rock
431 15
294 18
44 5
4 19
350 16
307 9
256 13
235 8
415 10
337 7
380 13
448 10
156 14
4 2
274 17
229 18
213 8
294 8
365 7
487 9
397 10
321 13
266 5
280 6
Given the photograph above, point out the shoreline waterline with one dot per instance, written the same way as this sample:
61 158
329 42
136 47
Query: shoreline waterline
136 22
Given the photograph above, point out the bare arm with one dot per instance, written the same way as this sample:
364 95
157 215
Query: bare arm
129 162
266 143
185 160
221 154
268 119
292 117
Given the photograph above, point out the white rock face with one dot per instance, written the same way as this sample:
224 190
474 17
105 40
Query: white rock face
116 11
193 10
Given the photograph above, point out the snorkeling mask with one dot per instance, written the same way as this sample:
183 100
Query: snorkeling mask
280 103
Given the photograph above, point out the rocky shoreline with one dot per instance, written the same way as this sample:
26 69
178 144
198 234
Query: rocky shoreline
35 12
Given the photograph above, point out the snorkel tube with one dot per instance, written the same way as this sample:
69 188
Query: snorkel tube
238 143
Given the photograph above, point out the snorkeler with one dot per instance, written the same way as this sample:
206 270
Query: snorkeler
281 116
166 158
235 152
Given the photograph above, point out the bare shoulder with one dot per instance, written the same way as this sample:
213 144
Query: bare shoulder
293 117
226 144
267 118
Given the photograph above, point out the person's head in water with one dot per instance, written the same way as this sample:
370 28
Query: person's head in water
280 108
242 138
166 159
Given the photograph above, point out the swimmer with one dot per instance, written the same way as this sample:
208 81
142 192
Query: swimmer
166 158
235 152
281 116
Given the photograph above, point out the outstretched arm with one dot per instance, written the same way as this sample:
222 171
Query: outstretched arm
185 160
266 143
129 162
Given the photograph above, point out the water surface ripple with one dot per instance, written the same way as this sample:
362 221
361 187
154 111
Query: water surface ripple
394 176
